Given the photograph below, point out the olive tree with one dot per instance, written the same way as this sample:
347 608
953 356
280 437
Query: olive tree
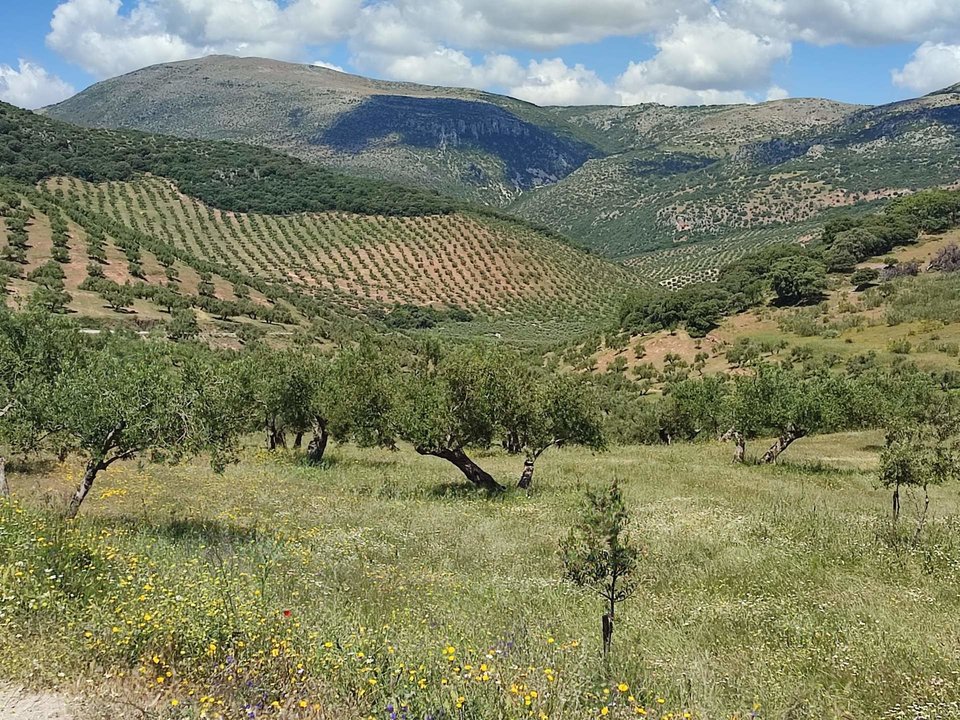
352 398
558 411
457 403
790 406
127 399
922 451
34 348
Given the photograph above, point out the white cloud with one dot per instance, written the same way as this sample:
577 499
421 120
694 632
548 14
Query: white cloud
706 50
932 67
445 66
104 40
399 26
704 61
849 21
775 92
707 54
30 86
328 66
552 82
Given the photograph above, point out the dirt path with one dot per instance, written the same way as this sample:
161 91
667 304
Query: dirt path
19 704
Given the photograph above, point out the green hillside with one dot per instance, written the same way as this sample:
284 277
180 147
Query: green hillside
243 234
648 183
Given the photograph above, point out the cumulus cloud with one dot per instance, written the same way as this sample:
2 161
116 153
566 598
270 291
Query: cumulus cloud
703 61
933 66
30 86
553 82
327 65
445 66
706 51
849 21
708 54
103 39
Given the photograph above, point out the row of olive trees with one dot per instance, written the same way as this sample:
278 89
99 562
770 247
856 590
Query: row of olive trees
443 404
114 397
790 404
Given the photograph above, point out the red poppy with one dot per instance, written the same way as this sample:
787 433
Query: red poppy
287 613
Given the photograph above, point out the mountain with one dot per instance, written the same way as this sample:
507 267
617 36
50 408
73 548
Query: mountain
672 190
462 142
225 225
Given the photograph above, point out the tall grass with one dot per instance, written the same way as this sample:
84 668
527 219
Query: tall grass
377 586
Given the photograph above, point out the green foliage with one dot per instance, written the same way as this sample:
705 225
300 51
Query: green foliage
798 280
600 554
183 325
242 178
699 308
865 277
421 317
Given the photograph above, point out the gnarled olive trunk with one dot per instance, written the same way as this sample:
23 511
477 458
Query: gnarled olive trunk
4 487
276 437
781 444
526 477
473 472
740 447
318 443
89 475
298 440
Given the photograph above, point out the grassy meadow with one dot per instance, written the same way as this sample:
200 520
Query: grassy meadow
378 586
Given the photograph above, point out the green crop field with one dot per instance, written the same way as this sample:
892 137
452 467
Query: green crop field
374 586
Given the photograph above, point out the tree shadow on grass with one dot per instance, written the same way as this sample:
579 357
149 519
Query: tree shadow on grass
190 529
453 490
824 474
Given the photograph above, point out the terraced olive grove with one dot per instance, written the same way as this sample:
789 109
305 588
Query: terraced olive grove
481 265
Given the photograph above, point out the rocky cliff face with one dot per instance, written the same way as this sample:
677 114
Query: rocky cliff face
530 155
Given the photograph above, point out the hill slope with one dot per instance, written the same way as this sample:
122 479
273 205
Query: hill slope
119 200
463 142
625 180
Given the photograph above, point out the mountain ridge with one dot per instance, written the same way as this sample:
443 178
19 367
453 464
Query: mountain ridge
625 181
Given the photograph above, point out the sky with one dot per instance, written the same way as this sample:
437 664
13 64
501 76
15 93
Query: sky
551 52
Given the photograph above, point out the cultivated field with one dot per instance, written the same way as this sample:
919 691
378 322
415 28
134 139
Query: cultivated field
377 586
479 264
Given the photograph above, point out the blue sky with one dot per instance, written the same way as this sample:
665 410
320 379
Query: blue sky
545 51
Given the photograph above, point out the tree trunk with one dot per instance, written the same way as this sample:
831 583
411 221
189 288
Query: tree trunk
923 515
276 438
526 477
607 629
89 475
781 444
740 449
608 620
473 472
318 443
896 503
4 487
298 440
